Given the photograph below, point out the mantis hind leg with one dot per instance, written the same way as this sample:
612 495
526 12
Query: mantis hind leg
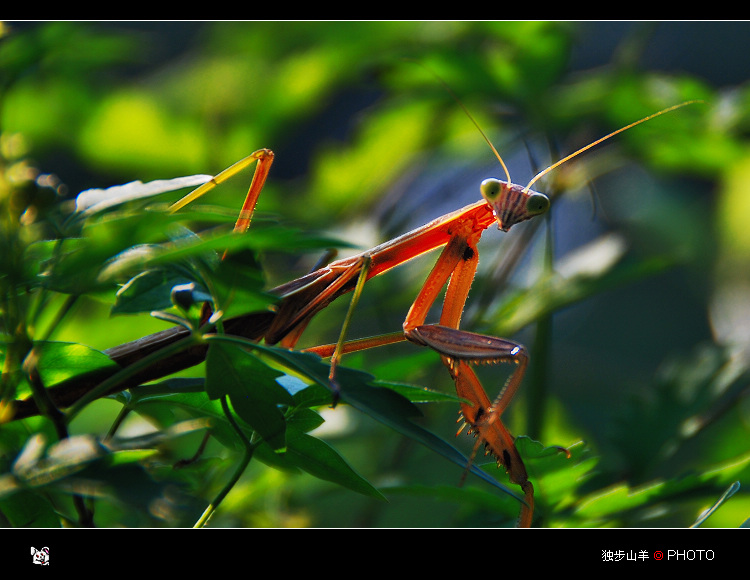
264 158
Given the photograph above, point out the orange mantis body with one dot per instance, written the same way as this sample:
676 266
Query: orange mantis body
458 233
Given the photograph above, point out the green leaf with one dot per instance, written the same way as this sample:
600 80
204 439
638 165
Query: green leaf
382 404
251 387
417 394
304 420
560 477
239 284
318 458
467 497
158 402
275 238
27 509
672 410
59 361
621 498
110 249
95 200
150 290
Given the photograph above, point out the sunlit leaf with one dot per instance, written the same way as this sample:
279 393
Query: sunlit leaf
58 361
94 200
621 498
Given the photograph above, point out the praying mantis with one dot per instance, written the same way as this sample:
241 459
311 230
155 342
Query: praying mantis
503 204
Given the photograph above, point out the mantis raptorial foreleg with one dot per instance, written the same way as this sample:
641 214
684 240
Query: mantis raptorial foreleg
457 348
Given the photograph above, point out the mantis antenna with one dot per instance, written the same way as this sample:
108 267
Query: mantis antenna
601 139
567 157
450 91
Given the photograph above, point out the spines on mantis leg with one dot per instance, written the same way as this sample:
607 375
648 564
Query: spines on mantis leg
484 420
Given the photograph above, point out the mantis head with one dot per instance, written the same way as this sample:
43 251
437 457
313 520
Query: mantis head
512 203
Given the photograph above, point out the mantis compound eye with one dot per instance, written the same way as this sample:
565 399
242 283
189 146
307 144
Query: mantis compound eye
491 189
537 203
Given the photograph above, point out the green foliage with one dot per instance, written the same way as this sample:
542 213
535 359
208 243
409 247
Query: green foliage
634 322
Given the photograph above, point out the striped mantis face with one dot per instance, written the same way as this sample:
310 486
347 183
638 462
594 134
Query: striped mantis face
512 204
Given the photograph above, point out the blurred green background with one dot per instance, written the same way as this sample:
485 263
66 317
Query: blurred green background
650 372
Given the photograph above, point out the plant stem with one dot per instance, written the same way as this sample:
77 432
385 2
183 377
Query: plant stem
538 372
247 456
